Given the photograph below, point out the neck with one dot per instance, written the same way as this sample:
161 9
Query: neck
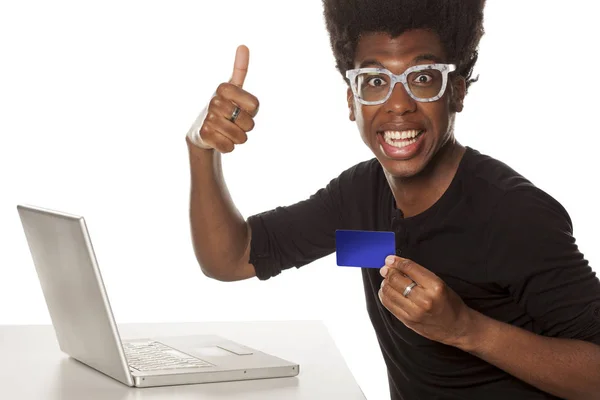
418 193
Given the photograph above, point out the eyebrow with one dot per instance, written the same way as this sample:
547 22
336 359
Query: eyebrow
419 58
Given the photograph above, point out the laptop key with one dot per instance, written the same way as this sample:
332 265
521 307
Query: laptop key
148 356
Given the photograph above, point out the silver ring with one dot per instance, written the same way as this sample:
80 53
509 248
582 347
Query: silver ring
409 288
235 114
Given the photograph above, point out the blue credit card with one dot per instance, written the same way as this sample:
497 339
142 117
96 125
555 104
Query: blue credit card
366 249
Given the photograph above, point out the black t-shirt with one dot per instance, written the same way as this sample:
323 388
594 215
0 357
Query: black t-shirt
505 246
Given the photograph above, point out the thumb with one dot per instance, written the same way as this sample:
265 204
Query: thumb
240 66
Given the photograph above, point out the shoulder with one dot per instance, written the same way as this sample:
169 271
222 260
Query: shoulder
495 175
513 202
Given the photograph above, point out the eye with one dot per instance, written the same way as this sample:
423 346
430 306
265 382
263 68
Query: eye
376 81
423 79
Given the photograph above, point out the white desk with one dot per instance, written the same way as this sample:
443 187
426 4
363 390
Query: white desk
32 367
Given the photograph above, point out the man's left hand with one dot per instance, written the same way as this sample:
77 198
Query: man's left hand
432 309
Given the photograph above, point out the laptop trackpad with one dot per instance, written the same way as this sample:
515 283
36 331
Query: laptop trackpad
211 351
236 349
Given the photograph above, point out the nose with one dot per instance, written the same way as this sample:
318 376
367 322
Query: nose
400 101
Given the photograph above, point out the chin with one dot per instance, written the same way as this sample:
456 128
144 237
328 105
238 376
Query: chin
402 169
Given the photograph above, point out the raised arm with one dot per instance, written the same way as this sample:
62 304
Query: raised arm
220 235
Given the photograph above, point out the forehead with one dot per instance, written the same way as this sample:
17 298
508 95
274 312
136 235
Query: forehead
398 51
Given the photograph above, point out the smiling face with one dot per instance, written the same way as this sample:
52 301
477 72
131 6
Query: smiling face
402 133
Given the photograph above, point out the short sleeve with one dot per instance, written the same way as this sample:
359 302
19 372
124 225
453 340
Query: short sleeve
532 253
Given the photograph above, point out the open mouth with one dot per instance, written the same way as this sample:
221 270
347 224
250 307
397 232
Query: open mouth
400 139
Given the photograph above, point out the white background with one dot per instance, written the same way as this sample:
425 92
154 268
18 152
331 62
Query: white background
96 98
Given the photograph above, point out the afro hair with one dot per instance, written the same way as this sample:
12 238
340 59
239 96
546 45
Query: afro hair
458 23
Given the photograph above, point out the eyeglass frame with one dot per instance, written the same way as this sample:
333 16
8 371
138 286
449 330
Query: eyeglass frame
445 69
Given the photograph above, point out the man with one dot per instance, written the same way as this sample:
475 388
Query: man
488 295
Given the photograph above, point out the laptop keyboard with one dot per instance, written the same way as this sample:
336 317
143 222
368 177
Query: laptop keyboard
149 356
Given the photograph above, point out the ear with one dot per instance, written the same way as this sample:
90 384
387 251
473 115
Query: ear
459 90
350 98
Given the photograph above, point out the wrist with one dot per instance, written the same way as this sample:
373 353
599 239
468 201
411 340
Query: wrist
196 150
194 138
479 329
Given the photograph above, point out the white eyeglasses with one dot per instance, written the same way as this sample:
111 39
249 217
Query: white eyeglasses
424 83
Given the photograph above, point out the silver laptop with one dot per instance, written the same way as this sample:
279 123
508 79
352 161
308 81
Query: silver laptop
86 330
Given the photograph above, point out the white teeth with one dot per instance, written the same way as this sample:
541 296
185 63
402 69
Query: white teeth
400 139
400 143
410 134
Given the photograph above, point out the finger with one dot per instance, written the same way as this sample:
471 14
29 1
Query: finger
220 125
223 144
394 298
238 96
214 137
226 108
233 132
388 302
240 66
398 282
423 276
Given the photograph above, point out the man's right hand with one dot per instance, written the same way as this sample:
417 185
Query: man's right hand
218 131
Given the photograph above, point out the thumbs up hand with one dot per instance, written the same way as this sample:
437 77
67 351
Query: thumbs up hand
229 114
